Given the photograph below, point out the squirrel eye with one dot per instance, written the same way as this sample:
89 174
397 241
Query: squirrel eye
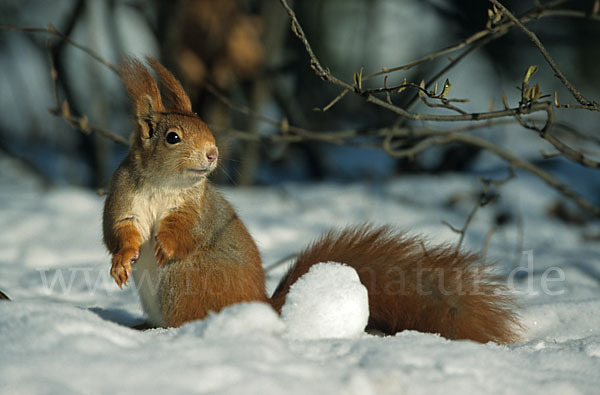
173 138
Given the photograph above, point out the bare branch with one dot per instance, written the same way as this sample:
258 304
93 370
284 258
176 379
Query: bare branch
323 73
388 137
52 31
483 200
80 123
591 105
570 153
512 159
486 34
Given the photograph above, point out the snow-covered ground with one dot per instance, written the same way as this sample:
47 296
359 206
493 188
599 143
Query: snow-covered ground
66 329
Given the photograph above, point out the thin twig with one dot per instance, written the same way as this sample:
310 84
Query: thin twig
335 100
505 154
483 200
477 116
54 32
496 31
283 126
564 149
321 72
559 74
80 123
487 240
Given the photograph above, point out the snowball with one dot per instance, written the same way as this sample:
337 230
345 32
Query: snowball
327 302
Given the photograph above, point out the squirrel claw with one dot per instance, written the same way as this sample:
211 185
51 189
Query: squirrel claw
116 278
121 265
161 253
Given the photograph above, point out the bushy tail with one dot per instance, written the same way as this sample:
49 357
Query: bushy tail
415 286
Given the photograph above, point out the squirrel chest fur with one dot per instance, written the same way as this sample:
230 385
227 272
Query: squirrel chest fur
190 254
218 272
148 207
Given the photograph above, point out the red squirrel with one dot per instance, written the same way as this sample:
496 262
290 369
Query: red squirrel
190 254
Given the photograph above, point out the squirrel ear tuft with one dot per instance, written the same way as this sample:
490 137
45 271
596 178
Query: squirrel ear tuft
144 94
175 93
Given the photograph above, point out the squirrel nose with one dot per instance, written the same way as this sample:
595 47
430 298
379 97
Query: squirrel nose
212 154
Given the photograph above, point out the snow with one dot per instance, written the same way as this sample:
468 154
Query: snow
327 302
66 328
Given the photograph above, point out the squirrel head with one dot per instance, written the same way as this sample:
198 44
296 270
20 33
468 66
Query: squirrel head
170 144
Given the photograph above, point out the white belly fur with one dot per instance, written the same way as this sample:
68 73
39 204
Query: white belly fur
146 275
150 205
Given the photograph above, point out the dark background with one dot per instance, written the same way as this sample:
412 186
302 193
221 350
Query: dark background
245 50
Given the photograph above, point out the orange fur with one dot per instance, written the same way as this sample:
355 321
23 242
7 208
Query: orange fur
224 268
174 239
124 243
192 292
122 235
412 286
175 93
140 86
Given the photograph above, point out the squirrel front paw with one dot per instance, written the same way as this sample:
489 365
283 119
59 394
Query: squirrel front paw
175 237
165 247
121 265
